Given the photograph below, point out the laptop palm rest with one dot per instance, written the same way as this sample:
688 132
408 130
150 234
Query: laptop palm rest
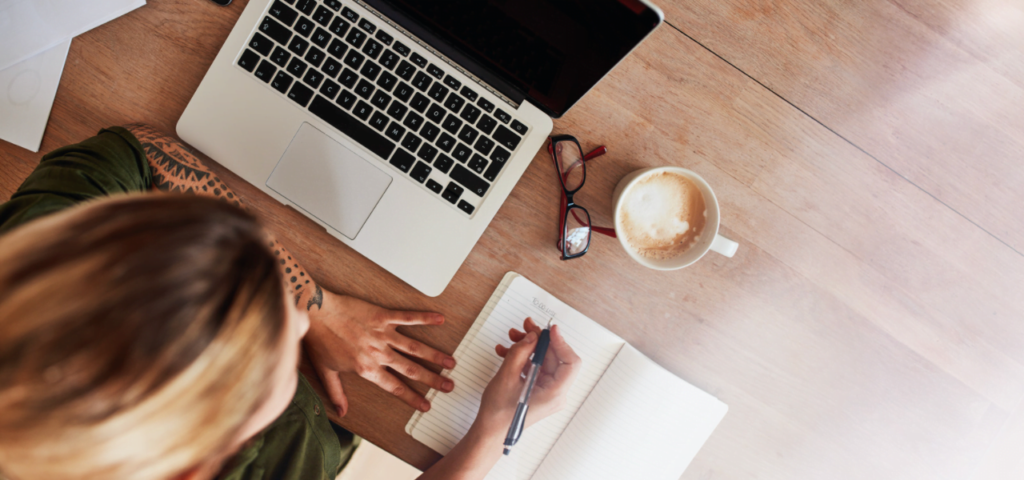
327 180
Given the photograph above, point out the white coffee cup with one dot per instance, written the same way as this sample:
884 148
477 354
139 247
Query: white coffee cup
709 238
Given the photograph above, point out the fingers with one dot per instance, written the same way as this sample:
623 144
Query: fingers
420 350
391 383
517 357
569 363
397 317
419 373
332 383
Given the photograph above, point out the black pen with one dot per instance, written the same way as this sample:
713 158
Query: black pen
516 429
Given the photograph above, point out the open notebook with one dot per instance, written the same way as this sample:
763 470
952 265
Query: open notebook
626 416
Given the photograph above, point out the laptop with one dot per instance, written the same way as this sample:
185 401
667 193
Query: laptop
401 126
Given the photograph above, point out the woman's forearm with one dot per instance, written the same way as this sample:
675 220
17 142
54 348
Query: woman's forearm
472 457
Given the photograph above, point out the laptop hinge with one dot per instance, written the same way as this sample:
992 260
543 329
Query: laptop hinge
443 57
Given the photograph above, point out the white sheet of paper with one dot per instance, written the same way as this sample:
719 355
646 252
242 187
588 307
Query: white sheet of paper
30 27
26 96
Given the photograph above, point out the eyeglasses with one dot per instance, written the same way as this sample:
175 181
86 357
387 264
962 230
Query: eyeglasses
570 163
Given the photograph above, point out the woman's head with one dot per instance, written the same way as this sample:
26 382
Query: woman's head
139 336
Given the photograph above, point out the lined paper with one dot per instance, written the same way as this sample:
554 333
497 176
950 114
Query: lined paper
640 421
453 413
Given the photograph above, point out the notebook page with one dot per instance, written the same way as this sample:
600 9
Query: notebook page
452 414
640 421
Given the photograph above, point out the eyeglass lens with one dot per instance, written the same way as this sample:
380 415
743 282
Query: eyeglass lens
577 231
569 159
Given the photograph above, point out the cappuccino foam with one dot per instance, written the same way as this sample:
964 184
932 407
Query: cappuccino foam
663 215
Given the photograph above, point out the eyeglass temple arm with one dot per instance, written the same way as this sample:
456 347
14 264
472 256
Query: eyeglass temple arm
597 152
602 230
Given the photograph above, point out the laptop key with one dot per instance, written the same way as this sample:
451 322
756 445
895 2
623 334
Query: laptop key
281 82
346 99
438 92
367 25
466 207
283 12
370 70
402 49
435 113
454 103
435 71
350 14
500 155
306 6
395 131
452 124
249 60
348 78
452 82
504 117
389 59
434 186
421 81
381 100
339 26
387 81
362 110
323 16
430 131
468 134
486 105
356 37
506 138
470 113
280 56
427 152
418 60
493 170
403 160
331 67
333 4
469 180
471 95
413 121
419 103
261 44
484 145
403 91
313 78
446 142
304 26
379 121
397 110
406 70
337 49
384 37
372 48
364 89
355 130
486 124
354 59
519 127
315 56
411 142
298 45
300 94
477 163
461 153
320 37
297 67
444 163
420 172
275 30
452 192
329 89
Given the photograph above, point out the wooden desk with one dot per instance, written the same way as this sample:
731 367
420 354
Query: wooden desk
870 325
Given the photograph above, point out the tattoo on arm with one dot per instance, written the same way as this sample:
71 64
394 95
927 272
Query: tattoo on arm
317 299
295 276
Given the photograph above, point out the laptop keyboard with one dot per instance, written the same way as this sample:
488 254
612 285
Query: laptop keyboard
384 95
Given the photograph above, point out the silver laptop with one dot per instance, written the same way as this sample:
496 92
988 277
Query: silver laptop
401 126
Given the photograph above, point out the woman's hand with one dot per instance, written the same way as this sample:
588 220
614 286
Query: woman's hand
559 370
349 335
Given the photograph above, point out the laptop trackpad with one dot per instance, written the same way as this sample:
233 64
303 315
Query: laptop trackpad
328 181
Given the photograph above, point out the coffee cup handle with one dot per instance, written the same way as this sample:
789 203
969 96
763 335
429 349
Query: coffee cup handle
724 246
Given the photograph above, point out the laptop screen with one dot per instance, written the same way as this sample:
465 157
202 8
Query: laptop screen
549 51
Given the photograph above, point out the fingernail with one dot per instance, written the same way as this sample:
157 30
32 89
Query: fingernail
449 363
447 386
424 406
341 411
439 318
531 337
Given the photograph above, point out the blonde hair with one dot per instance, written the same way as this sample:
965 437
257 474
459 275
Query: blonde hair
137 336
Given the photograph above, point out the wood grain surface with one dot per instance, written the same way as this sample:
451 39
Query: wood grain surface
866 157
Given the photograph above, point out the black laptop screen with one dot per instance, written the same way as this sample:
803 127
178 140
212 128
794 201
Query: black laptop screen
550 51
